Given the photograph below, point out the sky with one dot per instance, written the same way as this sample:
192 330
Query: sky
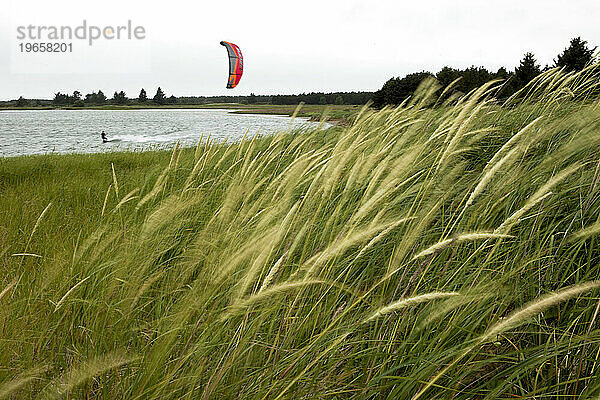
288 47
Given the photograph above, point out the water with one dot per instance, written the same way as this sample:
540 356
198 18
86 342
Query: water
25 132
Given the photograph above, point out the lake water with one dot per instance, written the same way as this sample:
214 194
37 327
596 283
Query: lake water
25 132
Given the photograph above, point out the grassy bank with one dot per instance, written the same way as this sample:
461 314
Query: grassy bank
343 115
446 252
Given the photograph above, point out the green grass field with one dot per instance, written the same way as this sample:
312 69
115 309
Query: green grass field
446 248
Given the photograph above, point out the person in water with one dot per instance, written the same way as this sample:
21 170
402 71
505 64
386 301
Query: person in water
104 138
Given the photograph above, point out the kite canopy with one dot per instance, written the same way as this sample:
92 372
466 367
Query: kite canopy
236 64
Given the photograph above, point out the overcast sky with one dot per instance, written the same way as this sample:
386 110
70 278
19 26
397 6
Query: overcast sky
288 47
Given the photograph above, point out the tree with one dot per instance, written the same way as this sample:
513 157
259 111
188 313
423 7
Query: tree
22 102
159 97
508 83
95 98
502 73
470 78
90 97
576 56
100 97
119 97
339 100
252 99
76 96
172 100
527 70
396 90
447 75
143 96
61 99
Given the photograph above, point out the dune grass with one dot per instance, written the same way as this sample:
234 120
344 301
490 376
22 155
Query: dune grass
421 252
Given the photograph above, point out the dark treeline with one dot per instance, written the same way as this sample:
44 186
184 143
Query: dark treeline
119 98
160 98
354 98
573 58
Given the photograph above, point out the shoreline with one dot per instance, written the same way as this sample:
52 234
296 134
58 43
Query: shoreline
338 114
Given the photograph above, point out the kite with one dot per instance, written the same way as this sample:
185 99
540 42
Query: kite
236 64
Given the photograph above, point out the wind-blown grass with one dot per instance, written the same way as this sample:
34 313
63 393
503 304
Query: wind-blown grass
444 248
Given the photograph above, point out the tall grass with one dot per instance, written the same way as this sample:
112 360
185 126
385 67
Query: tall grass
445 248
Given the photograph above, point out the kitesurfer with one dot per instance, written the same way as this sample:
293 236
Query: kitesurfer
104 138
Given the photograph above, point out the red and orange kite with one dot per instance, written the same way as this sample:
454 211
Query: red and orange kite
236 64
